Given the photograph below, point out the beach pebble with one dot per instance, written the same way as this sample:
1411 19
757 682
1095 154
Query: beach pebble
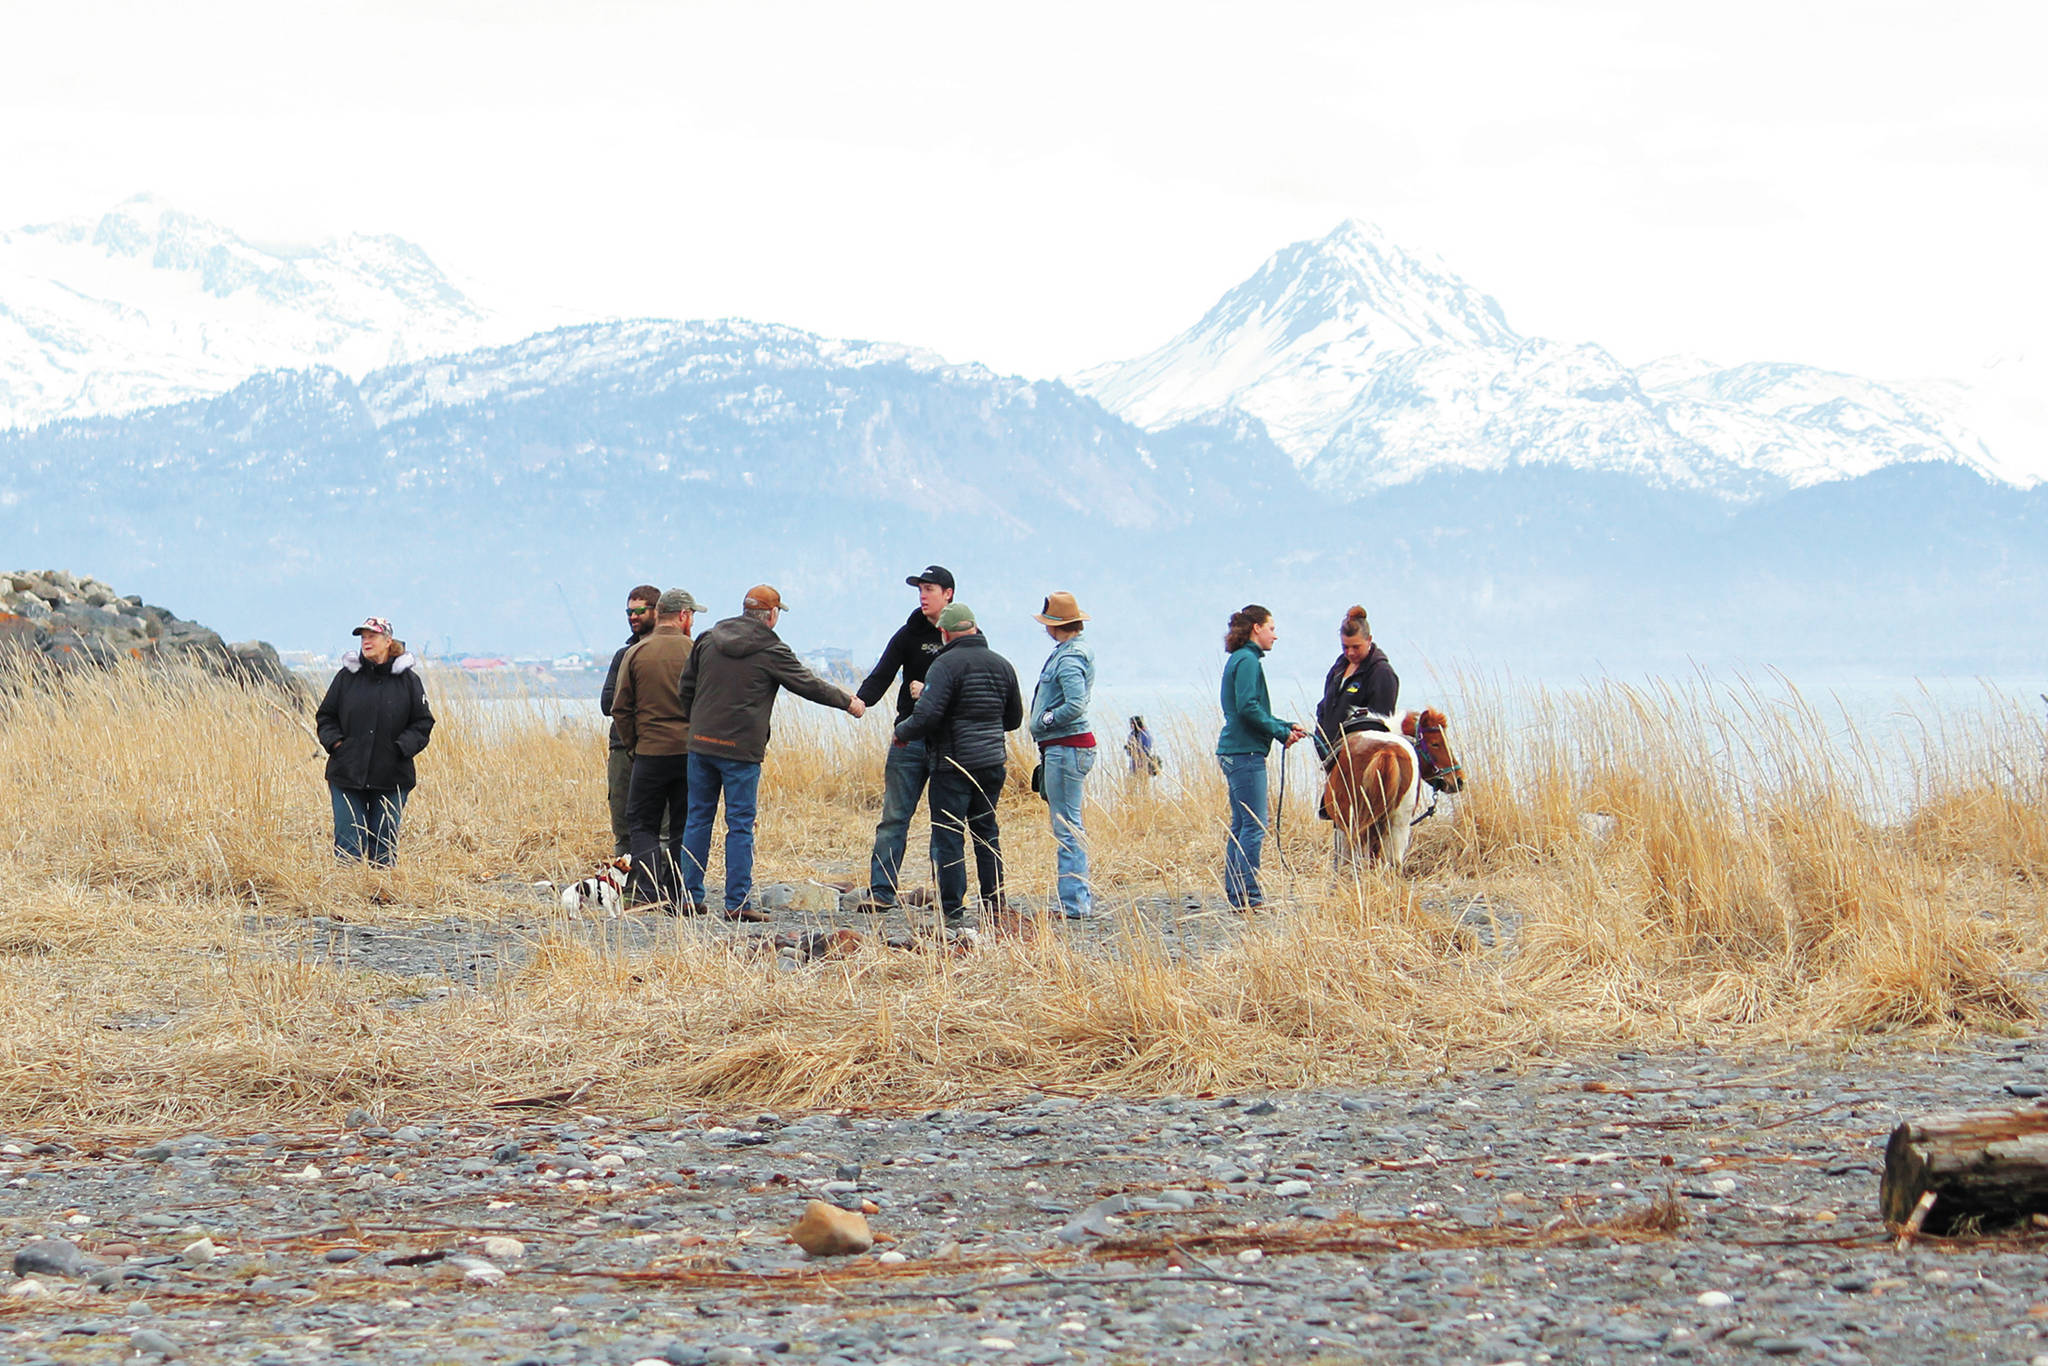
49 1257
503 1249
828 1231
150 1342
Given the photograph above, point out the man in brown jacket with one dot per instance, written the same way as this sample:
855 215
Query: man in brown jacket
728 694
651 718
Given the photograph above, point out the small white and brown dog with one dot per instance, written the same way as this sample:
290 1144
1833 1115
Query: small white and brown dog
604 891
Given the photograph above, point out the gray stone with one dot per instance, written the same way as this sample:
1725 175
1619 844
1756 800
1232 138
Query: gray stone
152 1343
50 1257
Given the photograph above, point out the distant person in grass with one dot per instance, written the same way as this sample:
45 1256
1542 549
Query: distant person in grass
1249 730
618 768
970 702
1142 751
728 695
647 713
1066 744
372 722
908 767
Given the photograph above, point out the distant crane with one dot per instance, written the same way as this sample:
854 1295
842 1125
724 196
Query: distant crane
568 612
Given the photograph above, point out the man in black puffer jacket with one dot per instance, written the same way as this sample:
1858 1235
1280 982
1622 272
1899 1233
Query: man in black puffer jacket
970 701
372 722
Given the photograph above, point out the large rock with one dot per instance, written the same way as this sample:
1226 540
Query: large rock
80 623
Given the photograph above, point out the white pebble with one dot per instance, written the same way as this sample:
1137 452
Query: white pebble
307 1173
1073 1326
892 1257
999 1344
79 1220
1723 1185
1250 1254
610 1162
483 1275
630 1151
504 1249
1716 1299
27 1290
198 1252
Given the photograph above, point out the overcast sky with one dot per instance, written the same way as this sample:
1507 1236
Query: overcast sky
1040 187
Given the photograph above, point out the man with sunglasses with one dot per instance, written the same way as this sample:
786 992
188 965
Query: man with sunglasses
618 768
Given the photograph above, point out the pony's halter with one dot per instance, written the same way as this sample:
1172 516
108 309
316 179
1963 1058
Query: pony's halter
1433 773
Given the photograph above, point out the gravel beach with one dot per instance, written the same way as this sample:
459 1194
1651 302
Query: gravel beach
1687 1206
1605 1208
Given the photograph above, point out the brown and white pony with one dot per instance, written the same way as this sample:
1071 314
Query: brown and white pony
1375 781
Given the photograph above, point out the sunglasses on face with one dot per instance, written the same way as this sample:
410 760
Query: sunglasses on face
638 611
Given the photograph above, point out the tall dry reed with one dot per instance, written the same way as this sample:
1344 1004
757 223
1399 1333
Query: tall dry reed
1650 864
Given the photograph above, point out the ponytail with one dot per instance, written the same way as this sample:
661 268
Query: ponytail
1241 623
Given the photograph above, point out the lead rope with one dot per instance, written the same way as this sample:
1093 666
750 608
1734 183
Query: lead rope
1278 847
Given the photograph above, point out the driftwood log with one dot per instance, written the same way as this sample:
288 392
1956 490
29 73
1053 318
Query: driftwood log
1983 1169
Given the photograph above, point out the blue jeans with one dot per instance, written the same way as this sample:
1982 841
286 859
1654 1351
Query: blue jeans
1245 777
741 784
904 776
366 822
1065 767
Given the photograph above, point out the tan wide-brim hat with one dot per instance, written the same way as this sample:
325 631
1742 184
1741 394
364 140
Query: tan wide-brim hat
1061 610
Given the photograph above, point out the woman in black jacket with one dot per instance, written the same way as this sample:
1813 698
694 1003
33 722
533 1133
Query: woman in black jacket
372 722
1361 678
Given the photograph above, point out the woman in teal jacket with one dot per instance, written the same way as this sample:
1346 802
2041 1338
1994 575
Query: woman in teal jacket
1249 730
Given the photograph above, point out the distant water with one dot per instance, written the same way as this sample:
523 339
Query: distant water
1881 715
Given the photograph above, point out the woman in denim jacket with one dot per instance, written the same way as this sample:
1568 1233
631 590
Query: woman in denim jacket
1249 730
1059 723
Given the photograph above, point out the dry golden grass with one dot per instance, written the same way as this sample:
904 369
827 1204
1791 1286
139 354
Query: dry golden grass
1671 864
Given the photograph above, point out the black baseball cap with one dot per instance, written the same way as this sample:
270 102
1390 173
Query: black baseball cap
932 573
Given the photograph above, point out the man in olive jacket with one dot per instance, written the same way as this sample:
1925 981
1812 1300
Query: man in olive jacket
647 714
970 702
728 695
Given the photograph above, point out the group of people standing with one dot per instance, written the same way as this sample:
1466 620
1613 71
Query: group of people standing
690 722
690 728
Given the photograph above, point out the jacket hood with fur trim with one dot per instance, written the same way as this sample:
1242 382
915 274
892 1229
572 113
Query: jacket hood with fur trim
353 662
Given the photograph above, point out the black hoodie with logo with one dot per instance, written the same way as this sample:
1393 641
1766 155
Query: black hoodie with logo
912 649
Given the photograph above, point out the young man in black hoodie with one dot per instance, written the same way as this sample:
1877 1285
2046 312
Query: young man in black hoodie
908 768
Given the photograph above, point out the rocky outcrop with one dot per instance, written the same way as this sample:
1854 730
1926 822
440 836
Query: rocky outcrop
81 623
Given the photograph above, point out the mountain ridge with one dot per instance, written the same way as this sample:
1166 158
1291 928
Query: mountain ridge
1372 366
148 304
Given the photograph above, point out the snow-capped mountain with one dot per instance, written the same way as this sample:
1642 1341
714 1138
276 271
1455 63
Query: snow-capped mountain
1372 367
1294 344
146 304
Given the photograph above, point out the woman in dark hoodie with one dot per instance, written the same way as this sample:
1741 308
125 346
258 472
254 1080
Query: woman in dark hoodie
372 722
1361 680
